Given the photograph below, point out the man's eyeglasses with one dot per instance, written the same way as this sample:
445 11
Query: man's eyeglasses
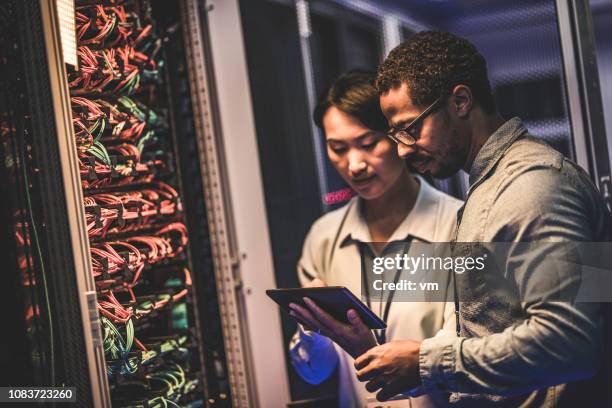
407 134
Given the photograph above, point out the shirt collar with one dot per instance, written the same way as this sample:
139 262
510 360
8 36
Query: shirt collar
420 223
494 148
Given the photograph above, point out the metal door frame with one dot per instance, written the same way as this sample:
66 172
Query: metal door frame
236 206
584 92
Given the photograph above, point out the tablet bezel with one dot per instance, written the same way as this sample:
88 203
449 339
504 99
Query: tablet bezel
294 295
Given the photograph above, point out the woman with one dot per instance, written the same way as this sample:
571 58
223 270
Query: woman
391 205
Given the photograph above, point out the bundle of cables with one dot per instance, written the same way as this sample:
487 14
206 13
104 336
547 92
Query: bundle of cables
126 153
162 300
174 345
97 174
121 120
139 173
173 378
142 398
98 123
118 312
91 124
167 243
158 302
115 52
117 349
104 26
129 211
107 24
164 386
111 70
123 160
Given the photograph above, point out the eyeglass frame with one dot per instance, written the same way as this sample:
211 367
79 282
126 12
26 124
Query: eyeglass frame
392 133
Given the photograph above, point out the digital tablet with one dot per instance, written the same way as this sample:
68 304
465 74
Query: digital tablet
335 300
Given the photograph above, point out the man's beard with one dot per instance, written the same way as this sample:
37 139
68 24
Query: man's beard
452 158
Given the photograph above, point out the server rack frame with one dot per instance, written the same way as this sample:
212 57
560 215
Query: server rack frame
75 213
37 154
220 221
259 319
214 177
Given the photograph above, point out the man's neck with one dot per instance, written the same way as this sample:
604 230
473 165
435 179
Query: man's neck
483 126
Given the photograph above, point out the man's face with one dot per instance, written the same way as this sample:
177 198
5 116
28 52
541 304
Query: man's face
441 146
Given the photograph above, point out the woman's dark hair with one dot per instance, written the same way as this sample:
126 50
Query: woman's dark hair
354 94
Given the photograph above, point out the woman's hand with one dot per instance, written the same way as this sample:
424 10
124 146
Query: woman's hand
355 338
316 283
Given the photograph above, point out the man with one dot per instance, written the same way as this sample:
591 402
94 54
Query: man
515 350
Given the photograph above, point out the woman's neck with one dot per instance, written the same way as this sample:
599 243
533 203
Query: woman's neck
384 214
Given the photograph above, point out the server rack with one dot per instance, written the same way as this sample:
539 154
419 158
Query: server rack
75 183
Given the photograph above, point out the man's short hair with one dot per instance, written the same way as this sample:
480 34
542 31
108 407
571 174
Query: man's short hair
432 63
354 94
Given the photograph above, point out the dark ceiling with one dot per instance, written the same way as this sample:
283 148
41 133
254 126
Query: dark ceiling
449 10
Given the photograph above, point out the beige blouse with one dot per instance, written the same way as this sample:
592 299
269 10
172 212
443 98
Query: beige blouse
331 253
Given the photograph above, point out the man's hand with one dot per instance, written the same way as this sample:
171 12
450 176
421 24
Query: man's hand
392 367
355 338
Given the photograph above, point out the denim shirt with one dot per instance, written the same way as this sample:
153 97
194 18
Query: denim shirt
513 352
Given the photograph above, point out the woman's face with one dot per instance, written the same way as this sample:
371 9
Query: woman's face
366 159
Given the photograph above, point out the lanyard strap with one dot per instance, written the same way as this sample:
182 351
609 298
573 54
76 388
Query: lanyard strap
338 232
381 336
453 243
456 299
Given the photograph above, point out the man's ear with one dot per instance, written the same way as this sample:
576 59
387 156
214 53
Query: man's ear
463 100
